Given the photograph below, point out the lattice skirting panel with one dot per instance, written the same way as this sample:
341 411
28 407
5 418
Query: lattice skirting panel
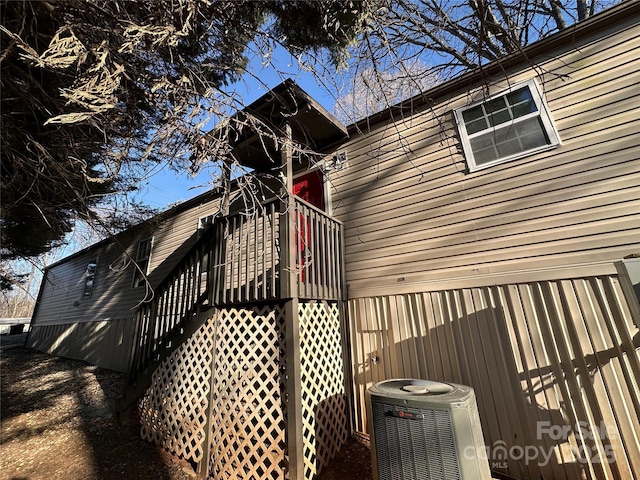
245 396
174 409
248 412
324 422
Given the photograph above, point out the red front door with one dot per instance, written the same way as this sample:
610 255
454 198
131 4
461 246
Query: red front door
310 188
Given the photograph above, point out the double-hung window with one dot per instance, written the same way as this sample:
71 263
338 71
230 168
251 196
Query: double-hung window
510 125
143 256
89 277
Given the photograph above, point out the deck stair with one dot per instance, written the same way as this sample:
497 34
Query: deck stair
181 304
236 261
272 276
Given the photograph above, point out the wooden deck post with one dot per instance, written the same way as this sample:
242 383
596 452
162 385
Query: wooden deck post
226 183
216 285
289 292
202 469
218 252
287 222
345 332
295 442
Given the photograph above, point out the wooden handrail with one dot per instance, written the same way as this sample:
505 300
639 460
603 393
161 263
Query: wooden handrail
319 211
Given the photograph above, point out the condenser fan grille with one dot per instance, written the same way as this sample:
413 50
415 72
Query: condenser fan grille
414 444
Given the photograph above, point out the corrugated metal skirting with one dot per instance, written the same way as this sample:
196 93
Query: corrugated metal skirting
555 366
105 343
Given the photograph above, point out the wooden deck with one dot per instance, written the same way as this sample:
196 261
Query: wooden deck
246 254
239 260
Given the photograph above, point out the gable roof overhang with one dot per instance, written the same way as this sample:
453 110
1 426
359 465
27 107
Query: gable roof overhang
258 130
311 124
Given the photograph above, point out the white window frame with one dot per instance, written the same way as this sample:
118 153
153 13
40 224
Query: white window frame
138 277
89 278
543 113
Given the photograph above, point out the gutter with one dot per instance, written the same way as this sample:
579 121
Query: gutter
623 11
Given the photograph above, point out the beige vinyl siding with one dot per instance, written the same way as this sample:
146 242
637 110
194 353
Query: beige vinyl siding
113 296
557 353
504 279
412 213
173 240
62 300
422 129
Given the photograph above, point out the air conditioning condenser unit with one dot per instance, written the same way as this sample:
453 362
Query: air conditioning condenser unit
425 430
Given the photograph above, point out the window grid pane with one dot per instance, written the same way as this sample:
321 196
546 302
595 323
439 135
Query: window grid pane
510 140
475 119
498 111
143 254
144 249
90 275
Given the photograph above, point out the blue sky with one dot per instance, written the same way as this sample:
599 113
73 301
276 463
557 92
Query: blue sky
166 187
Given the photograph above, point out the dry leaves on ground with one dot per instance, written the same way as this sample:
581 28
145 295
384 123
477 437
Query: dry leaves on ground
59 423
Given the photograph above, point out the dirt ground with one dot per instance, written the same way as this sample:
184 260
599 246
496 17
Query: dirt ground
58 423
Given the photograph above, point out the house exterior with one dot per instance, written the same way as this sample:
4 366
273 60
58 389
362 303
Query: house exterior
494 257
87 301
482 233
226 311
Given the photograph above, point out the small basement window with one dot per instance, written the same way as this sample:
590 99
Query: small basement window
143 255
89 277
510 125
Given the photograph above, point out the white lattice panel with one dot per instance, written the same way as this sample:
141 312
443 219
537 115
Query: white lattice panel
248 416
324 422
174 409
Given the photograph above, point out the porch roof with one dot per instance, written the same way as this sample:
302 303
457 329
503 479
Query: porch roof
259 127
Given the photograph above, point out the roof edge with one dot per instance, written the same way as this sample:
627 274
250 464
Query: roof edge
610 16
169 212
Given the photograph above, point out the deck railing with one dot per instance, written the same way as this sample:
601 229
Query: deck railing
177 299
318 247
246 256
238 260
